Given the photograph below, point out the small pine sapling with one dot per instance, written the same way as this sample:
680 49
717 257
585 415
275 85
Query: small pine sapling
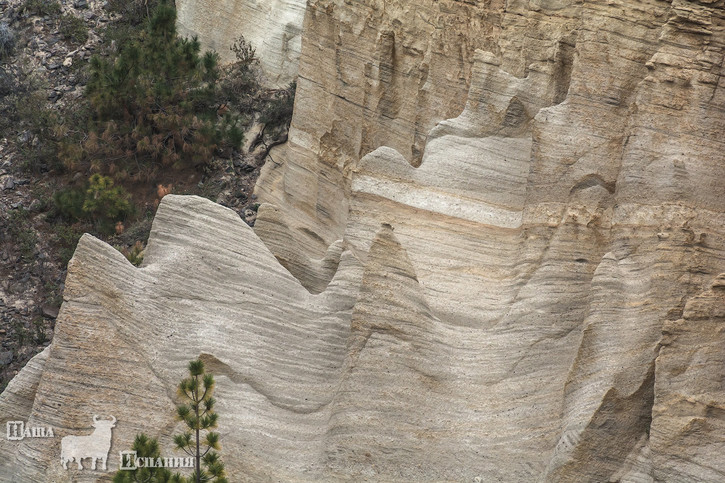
198 414
145 447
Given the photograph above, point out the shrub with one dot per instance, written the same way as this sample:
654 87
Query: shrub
52 293
7 86
104 202
231 131
126 30
73 28
134 254
277 112
7 41
244 52
69 203
153 102
21 333
40 337
241 84
99 201
42 7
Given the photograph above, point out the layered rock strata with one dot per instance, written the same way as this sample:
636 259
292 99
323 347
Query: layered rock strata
124 337
565 216
273 27
374 377
493 250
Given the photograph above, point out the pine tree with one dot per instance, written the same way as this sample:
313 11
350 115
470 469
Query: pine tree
198 414
153 104
145 447
199 442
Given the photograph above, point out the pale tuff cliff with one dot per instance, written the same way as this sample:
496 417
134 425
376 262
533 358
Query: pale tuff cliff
274 28
509 218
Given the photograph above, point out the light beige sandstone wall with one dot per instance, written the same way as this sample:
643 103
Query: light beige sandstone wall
124 336
274 27
394 372
384 73
689 392
564 217
520 208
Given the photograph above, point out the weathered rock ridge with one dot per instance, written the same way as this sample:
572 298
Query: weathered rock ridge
503 228
555 173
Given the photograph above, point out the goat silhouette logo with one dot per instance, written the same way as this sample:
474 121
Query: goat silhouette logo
94 446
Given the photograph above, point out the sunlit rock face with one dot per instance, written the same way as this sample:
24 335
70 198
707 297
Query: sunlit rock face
209 288
492 250
274 28
554 172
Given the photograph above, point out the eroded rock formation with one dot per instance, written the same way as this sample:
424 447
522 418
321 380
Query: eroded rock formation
274 28
566 214
504 228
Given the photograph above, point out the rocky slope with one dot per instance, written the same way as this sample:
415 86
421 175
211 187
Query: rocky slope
44 70
503 225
